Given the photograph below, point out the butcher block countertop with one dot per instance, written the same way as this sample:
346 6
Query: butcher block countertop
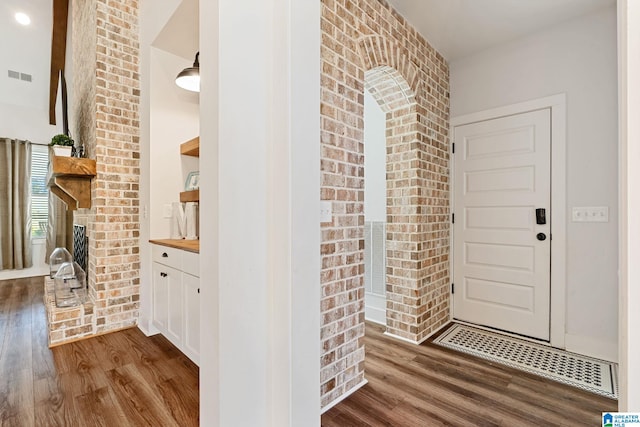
186 245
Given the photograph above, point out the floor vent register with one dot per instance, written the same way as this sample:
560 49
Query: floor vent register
596 376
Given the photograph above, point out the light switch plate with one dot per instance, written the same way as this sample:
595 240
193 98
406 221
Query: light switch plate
590 214
326 214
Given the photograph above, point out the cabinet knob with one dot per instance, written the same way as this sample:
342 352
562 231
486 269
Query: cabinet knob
198 290
165 255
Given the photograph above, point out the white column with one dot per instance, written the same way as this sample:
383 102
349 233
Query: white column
629 111
260 233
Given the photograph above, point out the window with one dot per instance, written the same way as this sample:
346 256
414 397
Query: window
39 190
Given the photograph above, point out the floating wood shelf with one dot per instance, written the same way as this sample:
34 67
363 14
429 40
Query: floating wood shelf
191 147
69 178
190 196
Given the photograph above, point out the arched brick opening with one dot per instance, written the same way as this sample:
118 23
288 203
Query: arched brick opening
409 285
366 43
395 97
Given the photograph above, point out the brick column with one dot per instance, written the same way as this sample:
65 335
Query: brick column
106 119
367 42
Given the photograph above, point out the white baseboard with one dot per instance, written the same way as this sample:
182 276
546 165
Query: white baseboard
24 273
376 321
146 327
344 396
592 347
375 315
398 337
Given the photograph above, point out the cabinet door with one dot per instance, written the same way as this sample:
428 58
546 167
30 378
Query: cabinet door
160 298
174 322
192 316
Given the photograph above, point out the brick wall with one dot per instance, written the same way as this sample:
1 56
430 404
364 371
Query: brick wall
67 324
105 117
367 44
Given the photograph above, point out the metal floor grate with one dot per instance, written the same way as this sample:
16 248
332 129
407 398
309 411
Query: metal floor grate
596 376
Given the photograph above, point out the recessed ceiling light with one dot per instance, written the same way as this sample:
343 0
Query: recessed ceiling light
22 18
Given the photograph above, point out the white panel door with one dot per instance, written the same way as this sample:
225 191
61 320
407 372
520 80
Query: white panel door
501 255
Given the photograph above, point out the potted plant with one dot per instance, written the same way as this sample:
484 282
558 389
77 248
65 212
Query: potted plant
62 145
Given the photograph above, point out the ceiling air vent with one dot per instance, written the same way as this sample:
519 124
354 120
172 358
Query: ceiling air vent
20 76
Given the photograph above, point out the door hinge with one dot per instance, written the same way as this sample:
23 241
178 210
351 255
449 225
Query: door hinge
453 148
453 288
453 218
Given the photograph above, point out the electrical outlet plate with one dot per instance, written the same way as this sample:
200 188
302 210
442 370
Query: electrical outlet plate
590 214
326 214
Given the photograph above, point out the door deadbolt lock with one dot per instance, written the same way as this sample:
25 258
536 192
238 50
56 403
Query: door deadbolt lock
541 237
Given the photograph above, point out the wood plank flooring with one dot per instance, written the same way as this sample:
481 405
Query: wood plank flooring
127 379
429 385
119 379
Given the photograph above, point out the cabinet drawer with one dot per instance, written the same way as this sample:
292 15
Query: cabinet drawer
167 256
191 263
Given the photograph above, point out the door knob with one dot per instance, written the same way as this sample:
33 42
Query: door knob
541 236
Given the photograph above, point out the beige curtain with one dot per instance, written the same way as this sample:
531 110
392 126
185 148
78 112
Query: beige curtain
15 204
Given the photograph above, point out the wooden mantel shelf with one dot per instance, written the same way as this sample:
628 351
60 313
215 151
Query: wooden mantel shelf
69 178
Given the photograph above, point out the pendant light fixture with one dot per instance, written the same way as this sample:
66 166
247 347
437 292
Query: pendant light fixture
189 78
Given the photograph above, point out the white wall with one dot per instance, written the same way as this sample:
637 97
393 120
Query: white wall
153 17
27 123
375 160
174 119
260 100
577 58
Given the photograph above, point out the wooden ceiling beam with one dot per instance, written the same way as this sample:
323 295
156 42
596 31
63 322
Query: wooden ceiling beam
58 52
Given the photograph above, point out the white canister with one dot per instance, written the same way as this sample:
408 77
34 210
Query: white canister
178 227
191 217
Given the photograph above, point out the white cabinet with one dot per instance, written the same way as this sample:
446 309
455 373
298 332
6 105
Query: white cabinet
167 301
191 316
176 298
175 326
160 296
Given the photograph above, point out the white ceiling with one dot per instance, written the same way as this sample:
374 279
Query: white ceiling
27 50
180 35
457 28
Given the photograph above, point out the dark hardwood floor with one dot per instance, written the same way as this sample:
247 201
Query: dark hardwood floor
118 379
429 385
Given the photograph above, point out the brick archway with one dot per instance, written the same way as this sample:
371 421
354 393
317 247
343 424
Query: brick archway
368 44
404 289
377 51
